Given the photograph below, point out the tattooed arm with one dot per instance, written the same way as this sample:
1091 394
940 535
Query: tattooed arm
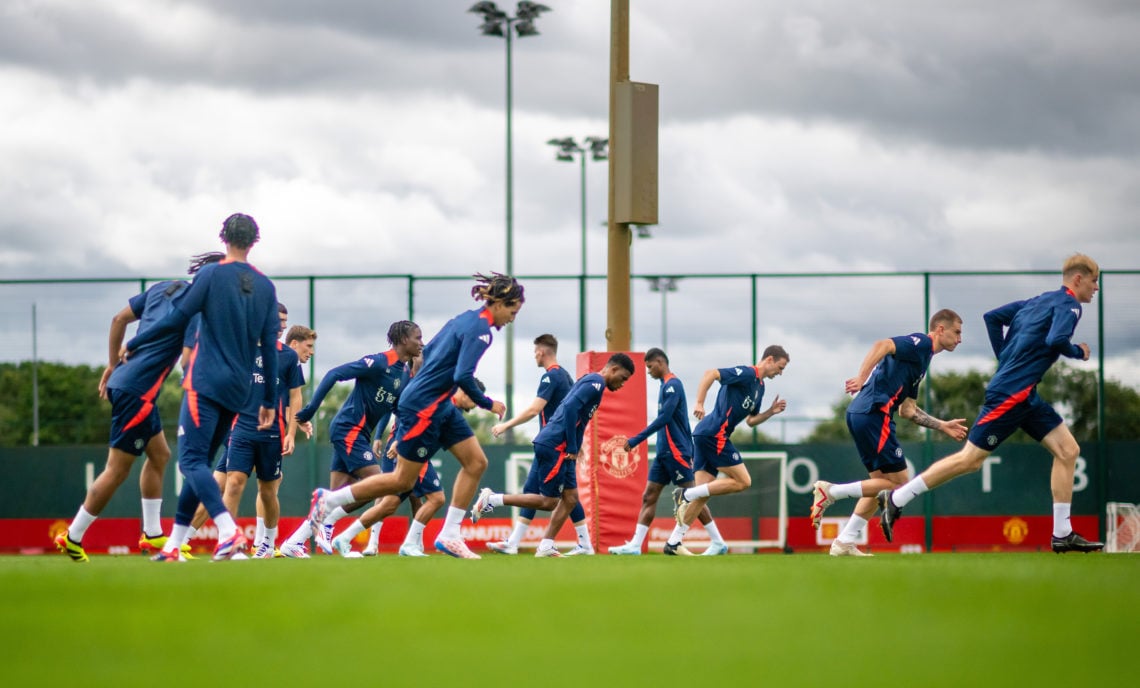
955 429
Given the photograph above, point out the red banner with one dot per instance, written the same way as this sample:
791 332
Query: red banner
610 480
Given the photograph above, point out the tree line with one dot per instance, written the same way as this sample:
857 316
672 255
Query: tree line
71 412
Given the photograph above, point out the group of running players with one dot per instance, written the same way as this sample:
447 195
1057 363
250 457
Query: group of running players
242 390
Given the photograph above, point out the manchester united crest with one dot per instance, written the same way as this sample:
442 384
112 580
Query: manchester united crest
1015 530
616 460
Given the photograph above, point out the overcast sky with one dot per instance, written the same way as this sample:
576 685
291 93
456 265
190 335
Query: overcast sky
368 138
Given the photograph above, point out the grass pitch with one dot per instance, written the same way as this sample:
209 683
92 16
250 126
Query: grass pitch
772 620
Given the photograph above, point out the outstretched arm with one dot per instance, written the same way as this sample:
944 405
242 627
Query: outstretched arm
348 371
778 406
667 411
529 412
955 429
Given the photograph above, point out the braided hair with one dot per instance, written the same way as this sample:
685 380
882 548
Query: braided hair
401 330
203 259
497 288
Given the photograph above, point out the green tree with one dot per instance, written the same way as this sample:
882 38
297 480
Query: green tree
70 410
960 395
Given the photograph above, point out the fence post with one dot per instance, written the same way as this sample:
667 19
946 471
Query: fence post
1101 434
928 442
412 298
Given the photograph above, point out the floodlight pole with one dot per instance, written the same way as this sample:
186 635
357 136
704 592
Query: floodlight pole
582 277
510 372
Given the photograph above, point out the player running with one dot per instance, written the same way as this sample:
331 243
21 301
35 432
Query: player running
132 386
741 390
1027 337
380 380
426 499
432 422
674 462
887 381
553 387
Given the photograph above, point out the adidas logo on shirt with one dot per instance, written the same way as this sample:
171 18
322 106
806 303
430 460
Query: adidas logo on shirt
368 361
485 338
1076 311
737 370
597 386
545 380
916 340
670 390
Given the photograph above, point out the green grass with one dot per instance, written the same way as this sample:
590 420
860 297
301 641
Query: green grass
772 620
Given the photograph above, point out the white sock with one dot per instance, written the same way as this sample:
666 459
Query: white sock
639 534
374 536
334 516
226 526
177 534
191 531
678 534
583 532
259 532
902 496
303 533
697 492
339 498
714 533
495 500
451 523
151 510
416 534
847 491
546 543
1061 524
355 528
850 532
517 534
271 537
80 524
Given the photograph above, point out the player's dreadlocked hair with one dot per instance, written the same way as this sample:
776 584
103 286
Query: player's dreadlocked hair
401 330
240 231
202 259
497 288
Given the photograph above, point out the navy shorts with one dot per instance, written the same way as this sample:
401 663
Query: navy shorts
351 458
202 427
427 483
551 472
667 469
248 453
1002 415
874 435
133 422
711 453
425 436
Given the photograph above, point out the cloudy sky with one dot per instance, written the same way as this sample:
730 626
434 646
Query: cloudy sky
368 138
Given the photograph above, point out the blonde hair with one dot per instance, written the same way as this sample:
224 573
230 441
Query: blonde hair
1080 263
299 333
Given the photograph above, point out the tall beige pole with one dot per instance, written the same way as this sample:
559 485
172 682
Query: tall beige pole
619 333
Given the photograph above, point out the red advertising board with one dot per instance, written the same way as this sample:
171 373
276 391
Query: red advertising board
611 480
